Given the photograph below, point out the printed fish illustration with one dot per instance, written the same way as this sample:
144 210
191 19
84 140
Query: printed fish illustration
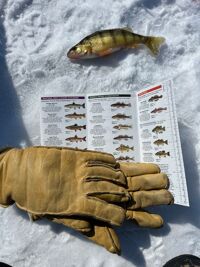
75 105
162 153
125 137
155 98
124 148
76 139
75 115
120 105
121 116
159 142
124 158
122 126
158 110
76 127
105 42
158 129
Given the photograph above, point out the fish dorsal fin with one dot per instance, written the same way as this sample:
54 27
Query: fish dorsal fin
127 29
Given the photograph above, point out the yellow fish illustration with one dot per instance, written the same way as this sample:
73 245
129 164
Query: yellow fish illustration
162 153
160 142
105 42
76 139
124 148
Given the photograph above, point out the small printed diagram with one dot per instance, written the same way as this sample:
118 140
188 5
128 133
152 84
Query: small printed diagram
120 105
122 158
123 137
75 127
75 105
160 142
121 116
158 110
124 148
122 127
76 139
75 115
158 129
162 153
155 98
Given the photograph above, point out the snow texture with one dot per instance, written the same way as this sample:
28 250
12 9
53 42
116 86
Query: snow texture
35 36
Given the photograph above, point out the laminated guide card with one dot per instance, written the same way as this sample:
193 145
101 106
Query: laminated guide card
138 127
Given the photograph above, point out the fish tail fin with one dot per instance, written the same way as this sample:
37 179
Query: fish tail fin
164 128
166 142
84 138
154 44
84 126
168 153
83 105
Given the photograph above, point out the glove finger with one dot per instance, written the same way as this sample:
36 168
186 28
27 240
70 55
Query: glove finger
107 191
76 223
98 209
101 157
134 169
100 233
104 235
142 199
99 173
148 182
145 219
85 157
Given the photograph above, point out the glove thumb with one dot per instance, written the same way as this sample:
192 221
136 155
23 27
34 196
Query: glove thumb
100 233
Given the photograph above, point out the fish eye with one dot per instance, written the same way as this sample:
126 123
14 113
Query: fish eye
78 49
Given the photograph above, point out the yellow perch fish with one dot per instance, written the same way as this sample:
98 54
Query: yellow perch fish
105 42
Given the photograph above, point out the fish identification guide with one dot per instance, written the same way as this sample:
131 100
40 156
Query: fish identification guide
140 126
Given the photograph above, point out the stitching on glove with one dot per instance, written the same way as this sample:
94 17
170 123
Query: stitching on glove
92 163
101 178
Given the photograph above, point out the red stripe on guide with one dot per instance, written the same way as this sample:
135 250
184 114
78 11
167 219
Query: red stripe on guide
150 90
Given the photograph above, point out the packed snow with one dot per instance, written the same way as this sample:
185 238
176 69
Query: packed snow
34 39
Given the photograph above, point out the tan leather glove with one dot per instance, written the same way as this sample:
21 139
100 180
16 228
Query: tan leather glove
147 186
63 182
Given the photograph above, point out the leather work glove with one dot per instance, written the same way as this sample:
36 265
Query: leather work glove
63 182
147 187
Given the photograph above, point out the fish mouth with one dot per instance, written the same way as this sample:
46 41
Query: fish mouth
73 55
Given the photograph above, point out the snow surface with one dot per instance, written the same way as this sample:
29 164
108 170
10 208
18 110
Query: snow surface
34 38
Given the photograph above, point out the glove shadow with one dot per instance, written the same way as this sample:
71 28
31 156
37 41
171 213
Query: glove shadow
133 240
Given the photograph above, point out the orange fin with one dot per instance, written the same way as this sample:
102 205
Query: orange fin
105 52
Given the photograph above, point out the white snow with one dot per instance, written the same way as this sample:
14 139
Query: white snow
35 36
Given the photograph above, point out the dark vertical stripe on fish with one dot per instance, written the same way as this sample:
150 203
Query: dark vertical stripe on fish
145 39
112 34
123 33
101 37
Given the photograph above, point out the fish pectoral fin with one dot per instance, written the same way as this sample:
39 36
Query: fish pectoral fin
105 52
